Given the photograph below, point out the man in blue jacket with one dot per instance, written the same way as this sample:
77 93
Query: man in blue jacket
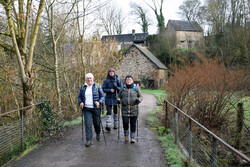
90 99
111 86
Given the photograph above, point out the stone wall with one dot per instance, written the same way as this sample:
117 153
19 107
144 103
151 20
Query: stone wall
184 39
139 67
188 39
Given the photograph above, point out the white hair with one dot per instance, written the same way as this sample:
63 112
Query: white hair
89 75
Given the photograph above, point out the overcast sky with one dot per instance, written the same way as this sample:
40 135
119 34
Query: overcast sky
170 9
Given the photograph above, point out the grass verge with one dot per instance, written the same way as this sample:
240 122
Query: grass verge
16 149
173 155
160 94
246 106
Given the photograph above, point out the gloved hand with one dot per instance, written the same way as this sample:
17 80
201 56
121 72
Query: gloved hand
137 101
118 101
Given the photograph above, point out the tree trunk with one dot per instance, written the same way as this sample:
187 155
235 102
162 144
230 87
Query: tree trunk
73 105
28 93
58 91
19 35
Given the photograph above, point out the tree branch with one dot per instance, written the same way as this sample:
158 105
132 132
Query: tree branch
64 21
27 25
7 47
5 34
35 32
13 35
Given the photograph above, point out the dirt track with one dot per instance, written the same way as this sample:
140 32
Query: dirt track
71 151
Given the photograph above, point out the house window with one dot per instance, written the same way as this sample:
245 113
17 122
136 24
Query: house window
190 44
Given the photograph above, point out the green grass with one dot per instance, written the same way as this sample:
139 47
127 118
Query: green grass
152 120
160 94
173 154
74 122
155 92
16 149
246 107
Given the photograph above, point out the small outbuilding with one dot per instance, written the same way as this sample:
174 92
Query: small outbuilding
143 66
184 33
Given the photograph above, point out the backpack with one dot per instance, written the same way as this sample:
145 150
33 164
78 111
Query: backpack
96 86
108 80
134 89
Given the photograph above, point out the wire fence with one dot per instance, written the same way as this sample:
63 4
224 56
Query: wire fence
201 146
13 133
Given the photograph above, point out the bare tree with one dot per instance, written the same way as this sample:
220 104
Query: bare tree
239 12
111 19
19 30
190 10
215 14
229 31
140 14
156 6
55 34
88 7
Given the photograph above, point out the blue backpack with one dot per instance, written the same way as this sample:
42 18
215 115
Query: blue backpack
134 89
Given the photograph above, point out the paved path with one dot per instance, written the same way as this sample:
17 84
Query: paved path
71 151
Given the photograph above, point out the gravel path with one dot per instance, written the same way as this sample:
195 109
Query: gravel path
70 150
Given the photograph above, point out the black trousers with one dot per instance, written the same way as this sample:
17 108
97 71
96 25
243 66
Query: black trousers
91 115
109 109
129 120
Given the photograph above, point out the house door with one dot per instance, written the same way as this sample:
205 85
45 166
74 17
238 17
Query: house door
151 84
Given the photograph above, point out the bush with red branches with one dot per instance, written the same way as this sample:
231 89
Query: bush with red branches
206 90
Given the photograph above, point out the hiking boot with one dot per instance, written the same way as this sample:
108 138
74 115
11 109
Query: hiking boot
132 140
108 129
115 127
98 137
88 143
126 138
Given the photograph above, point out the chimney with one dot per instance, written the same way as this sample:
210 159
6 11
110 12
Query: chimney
133 32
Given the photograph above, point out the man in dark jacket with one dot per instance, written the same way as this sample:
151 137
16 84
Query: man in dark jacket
111 86
90 99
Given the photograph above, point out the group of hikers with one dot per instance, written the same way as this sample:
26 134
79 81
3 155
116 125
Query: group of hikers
91 97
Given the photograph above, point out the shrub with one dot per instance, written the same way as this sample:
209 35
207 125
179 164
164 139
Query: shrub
204 90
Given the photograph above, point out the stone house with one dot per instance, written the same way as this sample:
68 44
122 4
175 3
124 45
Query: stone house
143 66
184 34
125 40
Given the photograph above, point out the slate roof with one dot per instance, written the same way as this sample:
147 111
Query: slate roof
127 37
149 55
185 25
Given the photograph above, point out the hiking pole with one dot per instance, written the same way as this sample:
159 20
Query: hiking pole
119 113
102 128
137 138
82 124
119 108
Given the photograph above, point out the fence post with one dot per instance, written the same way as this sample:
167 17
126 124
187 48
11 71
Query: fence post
21 128
166 116
190 139
239 125
214 153
176 126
